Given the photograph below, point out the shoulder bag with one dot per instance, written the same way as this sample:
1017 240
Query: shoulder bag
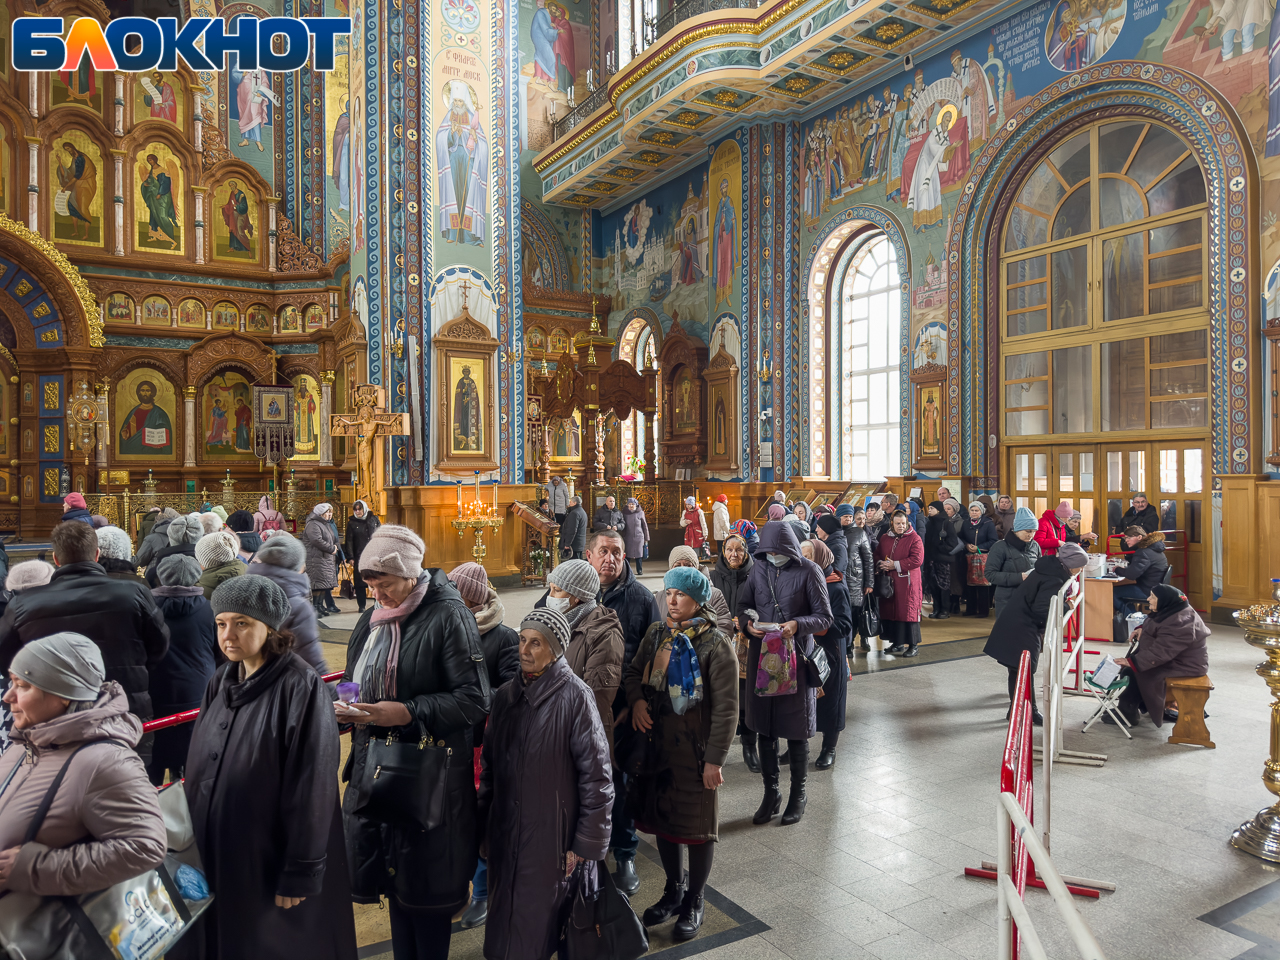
884 579
815 665
346 589
137 919
404 782
603 927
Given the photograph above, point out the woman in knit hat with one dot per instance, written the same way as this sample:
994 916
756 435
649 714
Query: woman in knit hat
438 686
321 542
694 522
1011 559
183 533
635 532
732 569
682 688
178 682
1052 532
283 561
595 650
104 825
261 782
546 796
682 556
216 553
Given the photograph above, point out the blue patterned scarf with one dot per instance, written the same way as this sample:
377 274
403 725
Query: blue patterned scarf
684 675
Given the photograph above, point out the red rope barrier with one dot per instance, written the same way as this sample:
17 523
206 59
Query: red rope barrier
186 716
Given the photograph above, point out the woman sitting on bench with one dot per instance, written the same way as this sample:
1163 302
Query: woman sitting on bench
1171 643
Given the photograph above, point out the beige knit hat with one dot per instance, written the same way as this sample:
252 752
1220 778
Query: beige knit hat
215 549
393 550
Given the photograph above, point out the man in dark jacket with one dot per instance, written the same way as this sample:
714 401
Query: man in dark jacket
117 615
608 516
545 793
1021 623
1141 514
1146 566
360 528
573 531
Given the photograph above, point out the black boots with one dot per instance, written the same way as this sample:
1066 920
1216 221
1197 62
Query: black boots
827 756
673 898
799 774
772 801
749 755
475 914
625 877
691 913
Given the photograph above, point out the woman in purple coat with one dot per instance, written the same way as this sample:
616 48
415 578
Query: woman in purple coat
787 589
635 533
899 556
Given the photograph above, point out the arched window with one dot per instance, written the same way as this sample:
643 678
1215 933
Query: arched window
868 357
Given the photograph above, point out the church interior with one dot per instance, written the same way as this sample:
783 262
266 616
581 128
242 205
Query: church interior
709 249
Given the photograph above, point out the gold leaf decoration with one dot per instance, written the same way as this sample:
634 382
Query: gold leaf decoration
890 31
725 97
840 59
51 395
52 442
51 482
797 84
93 316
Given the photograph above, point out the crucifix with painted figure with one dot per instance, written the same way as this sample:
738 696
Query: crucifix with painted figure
368 423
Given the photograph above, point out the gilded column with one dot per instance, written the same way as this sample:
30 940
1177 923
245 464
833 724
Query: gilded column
199 222
118 202
326 408
189 410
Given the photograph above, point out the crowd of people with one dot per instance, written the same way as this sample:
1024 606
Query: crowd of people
492 766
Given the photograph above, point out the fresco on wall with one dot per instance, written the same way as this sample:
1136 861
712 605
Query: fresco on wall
158 96
80 87
337 126
555 54
462 166
290 319
227 418
251 104
726 213
306 417
77 170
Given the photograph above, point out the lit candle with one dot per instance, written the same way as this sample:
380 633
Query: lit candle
459 498
495 496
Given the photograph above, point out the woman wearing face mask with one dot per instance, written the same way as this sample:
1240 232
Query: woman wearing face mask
835 643
683 692
595 650
899 557
1011 559
733 566
635 532
786 589
261 781
683 556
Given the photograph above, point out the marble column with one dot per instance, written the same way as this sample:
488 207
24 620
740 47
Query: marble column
199 223
189 411
326 408
33 184
118 201
198 119
119 105
272 204
33 93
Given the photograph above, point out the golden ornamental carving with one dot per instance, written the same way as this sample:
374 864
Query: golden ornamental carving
797 84
890 31
92 316
841 59
51 395
726 98
51 482
328 376
52 442
215 147
292 255
189 392
4 352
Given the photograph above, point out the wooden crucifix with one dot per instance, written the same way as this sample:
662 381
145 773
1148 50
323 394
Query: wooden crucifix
368 423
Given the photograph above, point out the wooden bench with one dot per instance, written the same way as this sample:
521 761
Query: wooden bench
1191 694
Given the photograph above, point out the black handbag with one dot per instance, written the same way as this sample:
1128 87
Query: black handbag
870 618
404 782
604 927
884 586
815 665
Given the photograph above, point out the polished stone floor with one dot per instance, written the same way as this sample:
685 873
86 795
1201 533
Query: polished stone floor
876 867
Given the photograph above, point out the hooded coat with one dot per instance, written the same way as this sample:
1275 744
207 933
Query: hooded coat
1020 625
860 574
720 527
1008 560
178 682
1051 535
322 548
104 825
796 592
215 577
838 544
359 532
595 657
546 788
1173 647
907 551
668 796
153 543
301 621
442 680
1148 563
267 517
940 542
835 643
635 532
261 783
1004 521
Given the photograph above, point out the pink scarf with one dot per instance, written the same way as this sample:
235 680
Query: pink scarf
392 618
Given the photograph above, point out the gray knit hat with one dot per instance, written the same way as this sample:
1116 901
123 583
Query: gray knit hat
168 513
551 625
576 577
394 550
68 665
28 573
113 544
178 570
255 597
1072 555
282 550
217 548
185 530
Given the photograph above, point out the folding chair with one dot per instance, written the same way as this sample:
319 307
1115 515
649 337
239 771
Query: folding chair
1108 702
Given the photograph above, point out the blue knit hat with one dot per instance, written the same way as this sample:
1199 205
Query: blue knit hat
1024 519
689 581
844 510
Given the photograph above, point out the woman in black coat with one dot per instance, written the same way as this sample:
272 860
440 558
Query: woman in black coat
835 644
732 568
940 545
860 575
828 531
261 785
1021 623
978 534
440 687
360 528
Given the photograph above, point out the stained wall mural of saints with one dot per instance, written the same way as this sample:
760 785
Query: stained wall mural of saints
191 313
76 165
462 158
251 105
158 200
144 409
468 418
225 316
157 97
257 319
235 230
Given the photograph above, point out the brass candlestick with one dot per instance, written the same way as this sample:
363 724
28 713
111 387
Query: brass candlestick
1261 624
478 524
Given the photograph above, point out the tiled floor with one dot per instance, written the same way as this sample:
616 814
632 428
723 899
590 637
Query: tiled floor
875 869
